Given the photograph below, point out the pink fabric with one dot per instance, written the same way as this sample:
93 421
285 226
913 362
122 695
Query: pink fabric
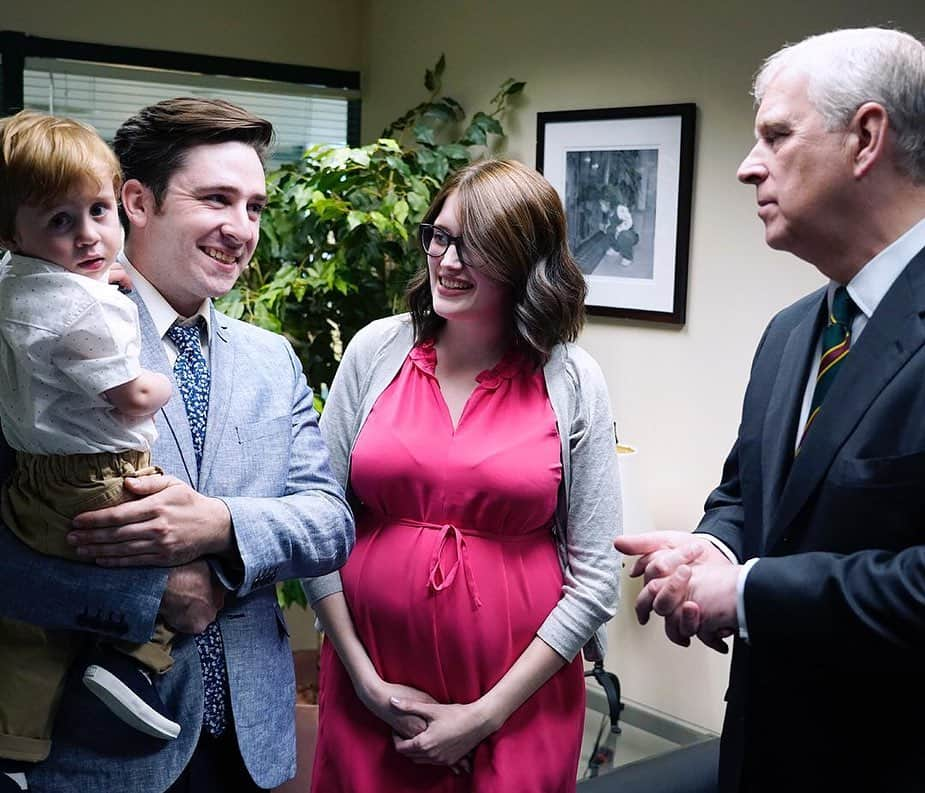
454 570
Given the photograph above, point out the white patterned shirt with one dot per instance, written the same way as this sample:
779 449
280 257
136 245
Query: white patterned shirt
65 339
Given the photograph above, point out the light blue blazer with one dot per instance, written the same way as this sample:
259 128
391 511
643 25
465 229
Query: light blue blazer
264 457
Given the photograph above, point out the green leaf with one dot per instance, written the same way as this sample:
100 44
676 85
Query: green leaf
400 211
359 157
430 82
454 151
475 135
514 88
291 593
487 123
397 164
380 221
441 167
441 65
425 158
264 319
418 203
355 218
440 111
458 110
424 134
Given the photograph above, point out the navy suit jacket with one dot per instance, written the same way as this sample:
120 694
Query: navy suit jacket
264 457
822 695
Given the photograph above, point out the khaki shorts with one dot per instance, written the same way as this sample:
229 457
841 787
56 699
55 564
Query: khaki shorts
46 491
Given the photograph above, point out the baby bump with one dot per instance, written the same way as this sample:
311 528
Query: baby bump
449 606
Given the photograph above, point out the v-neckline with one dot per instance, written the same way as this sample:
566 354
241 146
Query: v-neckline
424 357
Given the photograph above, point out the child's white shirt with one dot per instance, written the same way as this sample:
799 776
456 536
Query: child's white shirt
64 340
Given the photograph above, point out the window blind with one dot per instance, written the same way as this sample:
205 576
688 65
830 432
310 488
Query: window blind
104 96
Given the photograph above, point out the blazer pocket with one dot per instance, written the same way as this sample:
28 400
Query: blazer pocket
881 472
261 457
247 433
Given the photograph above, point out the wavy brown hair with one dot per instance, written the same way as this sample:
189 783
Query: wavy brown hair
513 224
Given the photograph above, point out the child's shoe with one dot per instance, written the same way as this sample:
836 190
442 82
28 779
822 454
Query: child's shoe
12 782
126 689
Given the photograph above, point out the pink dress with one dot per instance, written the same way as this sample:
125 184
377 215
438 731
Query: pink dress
454 570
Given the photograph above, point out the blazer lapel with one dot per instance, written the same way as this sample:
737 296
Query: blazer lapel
892 336
780 424
221 367
154 357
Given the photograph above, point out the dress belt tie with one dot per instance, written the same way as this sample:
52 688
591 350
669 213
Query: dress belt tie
440 579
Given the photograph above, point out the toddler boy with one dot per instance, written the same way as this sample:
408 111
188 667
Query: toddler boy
75 406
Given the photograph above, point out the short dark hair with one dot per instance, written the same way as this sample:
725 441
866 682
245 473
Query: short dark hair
152 144
513 222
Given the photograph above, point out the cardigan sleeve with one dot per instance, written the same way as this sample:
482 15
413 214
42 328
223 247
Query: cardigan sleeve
594 516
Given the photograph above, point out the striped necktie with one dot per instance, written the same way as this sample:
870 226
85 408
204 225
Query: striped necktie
836 343
193 379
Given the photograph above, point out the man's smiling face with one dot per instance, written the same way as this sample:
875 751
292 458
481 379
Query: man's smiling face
202 236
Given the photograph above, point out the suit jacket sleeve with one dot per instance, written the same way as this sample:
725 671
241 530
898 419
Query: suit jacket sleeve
308 529
724 515
861 598
58 594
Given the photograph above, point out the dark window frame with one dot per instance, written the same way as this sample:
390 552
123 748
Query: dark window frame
16 46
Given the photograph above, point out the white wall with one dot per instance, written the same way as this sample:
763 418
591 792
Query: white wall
306 32
676 392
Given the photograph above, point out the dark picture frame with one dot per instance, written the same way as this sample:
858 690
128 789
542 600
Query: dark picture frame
625 176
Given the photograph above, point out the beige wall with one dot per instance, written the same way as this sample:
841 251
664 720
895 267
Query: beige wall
305 32
676 393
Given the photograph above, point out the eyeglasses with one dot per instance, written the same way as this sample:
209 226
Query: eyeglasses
435 241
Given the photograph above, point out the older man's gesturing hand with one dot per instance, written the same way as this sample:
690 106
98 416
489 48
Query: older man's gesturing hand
687 581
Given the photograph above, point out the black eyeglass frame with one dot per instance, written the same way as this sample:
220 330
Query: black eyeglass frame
451 240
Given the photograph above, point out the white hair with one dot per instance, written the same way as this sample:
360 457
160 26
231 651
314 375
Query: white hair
847 68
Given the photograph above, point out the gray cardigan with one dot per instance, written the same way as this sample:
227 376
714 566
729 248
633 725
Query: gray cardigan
588 512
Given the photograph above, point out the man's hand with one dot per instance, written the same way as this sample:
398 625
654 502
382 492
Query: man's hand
167 524
688 581
660 552
192 599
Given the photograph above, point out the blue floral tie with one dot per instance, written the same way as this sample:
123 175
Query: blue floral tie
192 375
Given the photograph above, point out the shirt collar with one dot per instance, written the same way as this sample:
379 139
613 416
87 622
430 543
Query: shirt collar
162 314
874 280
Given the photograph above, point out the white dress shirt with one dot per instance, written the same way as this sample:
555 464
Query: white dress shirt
163 315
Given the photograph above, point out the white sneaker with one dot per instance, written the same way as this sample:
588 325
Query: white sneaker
129 694
18 779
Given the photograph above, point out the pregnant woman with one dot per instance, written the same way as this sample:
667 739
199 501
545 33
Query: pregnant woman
475 442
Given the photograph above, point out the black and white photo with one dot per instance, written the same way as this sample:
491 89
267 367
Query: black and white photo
625 177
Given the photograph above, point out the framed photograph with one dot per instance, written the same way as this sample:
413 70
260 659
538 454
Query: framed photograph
625 176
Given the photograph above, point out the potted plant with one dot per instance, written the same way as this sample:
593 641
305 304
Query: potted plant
339 234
